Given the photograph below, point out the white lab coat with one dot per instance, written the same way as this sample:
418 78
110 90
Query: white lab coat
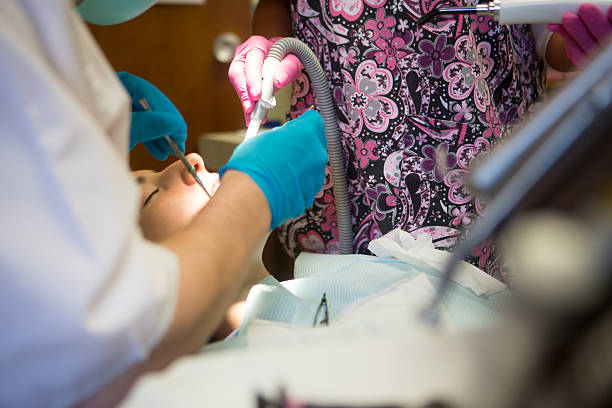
82 294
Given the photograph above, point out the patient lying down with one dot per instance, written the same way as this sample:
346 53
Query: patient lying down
353 283
170 200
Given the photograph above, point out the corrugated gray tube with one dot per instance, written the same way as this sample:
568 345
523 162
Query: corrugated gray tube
327 110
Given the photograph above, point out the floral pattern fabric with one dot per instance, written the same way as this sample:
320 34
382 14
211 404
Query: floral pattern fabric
416 105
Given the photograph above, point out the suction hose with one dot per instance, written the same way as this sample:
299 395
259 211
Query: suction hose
327 110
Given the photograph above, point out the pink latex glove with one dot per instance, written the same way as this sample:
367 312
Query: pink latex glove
245 71
583 33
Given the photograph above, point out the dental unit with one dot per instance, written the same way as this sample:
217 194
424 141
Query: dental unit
519 11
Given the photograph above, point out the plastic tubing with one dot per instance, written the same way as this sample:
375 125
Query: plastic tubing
327 110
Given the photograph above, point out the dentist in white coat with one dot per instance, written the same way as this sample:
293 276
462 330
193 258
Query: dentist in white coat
86 303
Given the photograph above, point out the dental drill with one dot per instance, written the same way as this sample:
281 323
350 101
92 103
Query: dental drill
519 11
326 107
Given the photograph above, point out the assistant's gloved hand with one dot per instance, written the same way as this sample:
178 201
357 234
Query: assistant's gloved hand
583 32
287 163
245 71
150 126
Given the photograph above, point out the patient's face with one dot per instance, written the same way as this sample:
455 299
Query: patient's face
171 198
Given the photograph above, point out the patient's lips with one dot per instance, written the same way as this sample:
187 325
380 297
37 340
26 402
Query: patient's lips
214 182
211 180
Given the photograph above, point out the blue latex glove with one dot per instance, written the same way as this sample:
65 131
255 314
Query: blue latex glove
287 163
150 126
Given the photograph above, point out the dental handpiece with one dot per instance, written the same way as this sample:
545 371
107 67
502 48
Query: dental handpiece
520 11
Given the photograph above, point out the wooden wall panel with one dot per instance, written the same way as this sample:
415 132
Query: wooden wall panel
171 46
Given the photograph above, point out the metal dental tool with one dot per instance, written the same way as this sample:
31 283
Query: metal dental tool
188 166
487 9
519 11
177 152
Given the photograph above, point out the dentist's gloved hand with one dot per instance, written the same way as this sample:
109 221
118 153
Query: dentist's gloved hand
245 71
583 32
287 163
150 126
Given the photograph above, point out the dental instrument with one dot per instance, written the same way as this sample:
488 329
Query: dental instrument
263 105
321 317
188 166
539 158
519 11
177 152
327 109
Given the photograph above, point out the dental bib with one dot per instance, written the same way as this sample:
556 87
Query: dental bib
366 296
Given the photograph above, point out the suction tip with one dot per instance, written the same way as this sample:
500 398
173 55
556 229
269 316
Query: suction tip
253 128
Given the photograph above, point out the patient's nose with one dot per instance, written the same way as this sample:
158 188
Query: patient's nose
197 162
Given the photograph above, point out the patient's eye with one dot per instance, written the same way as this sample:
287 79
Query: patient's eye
146 201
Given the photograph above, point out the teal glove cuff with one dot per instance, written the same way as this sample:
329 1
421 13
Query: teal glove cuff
149 126
287 163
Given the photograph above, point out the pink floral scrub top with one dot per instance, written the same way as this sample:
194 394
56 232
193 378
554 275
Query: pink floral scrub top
416 105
